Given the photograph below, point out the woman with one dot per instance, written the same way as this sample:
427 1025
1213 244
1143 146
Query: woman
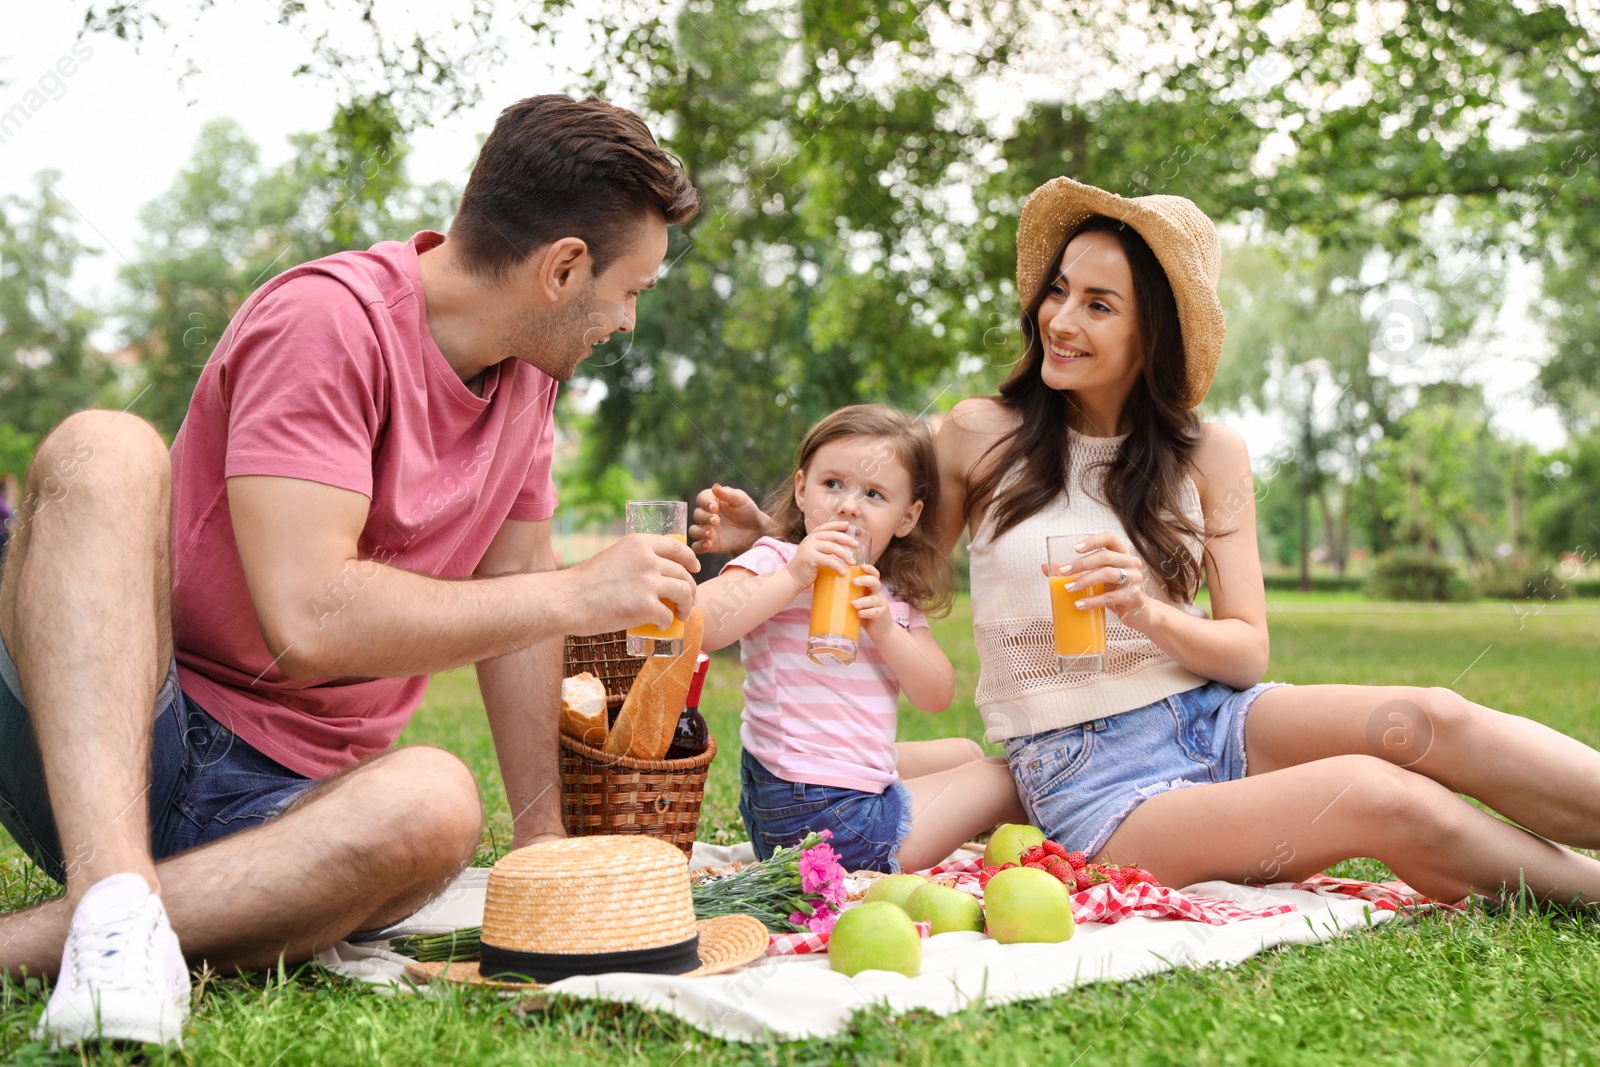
1175 757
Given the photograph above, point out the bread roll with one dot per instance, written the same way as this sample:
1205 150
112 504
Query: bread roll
583 708
650 712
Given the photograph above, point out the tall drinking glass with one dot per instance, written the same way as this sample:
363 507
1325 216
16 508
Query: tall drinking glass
669 518
835 625
1080 634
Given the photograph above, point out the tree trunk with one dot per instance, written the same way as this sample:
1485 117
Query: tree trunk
1330 533
1467 544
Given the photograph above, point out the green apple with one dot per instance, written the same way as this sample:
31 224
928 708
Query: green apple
1009 841
1026 904
948 909
895 888
876 937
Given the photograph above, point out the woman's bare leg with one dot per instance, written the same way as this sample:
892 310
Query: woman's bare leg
1287 824
1539 777
949 806
913 759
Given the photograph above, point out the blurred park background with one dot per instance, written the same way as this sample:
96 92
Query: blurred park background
1408 196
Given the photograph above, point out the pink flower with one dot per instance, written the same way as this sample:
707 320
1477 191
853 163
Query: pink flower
820 923
819 865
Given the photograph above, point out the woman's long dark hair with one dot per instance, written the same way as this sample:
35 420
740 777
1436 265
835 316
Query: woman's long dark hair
1142 484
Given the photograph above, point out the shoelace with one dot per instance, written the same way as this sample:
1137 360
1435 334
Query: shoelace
105 952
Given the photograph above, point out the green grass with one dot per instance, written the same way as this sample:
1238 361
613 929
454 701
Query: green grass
1515 985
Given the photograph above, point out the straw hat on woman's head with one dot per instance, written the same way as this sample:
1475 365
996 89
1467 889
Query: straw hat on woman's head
595 905
1181 236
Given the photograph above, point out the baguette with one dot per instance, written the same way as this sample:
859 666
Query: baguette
583 709
649 715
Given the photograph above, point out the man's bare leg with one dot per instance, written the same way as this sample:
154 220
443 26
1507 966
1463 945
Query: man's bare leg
84 608
362 849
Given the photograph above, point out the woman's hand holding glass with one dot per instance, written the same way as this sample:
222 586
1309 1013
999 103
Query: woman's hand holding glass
1107 561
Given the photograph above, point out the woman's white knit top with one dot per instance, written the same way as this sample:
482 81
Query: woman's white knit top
1021 690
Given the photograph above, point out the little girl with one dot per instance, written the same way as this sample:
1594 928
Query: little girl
819 747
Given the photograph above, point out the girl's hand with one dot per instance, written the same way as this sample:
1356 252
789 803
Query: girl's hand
1105 559
725 520
874 607
826 546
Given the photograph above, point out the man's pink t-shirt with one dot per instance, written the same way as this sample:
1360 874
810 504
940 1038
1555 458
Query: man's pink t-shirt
807 723
329 374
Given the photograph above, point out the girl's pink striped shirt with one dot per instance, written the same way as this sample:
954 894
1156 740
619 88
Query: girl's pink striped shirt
806 723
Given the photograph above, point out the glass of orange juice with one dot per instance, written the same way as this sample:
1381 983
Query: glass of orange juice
835 626
1080 634
669 518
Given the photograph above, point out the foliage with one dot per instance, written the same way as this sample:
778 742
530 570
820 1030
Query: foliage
1412 574
48 369
1566 500
1521 579
1444 472
16 449
228 225
862 190
818 137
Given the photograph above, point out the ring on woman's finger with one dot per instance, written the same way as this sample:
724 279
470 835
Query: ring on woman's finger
1122 578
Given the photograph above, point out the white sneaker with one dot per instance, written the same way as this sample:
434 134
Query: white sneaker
122 973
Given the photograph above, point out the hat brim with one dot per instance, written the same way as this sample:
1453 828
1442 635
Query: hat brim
726 942
1179 234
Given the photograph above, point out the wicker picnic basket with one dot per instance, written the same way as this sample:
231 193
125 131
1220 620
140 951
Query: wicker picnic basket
603 794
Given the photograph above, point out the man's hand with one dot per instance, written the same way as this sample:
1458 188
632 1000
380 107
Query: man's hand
642 579
726 520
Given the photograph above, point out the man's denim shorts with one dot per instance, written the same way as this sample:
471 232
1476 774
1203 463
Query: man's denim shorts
1079 782
205 783
867 827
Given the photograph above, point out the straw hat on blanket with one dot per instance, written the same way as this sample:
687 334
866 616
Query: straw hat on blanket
595 905
1183 239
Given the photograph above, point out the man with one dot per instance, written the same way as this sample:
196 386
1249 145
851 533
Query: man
210 655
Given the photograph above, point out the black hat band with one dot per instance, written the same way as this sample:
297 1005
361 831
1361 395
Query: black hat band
509 965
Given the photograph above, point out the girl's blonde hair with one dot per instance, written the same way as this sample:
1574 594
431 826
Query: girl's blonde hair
914 567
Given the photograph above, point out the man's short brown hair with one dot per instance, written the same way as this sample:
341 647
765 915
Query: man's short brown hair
556 167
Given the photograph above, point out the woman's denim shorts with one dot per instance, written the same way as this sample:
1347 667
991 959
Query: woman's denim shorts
1079 782
867 827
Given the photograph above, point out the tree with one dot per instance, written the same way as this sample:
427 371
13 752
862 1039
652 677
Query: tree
814 279
48 369
1433 474
859 238
228 225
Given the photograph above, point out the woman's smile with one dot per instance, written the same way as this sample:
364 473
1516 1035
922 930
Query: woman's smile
1065 355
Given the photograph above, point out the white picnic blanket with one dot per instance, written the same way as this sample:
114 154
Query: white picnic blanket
799 996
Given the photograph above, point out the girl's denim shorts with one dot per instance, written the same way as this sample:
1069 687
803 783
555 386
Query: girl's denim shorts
1079 782
867 827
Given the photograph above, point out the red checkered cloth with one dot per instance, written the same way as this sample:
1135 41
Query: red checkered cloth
1390 896
807 943
1105 903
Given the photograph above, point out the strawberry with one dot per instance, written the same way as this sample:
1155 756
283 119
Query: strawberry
1054 849
1078 860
